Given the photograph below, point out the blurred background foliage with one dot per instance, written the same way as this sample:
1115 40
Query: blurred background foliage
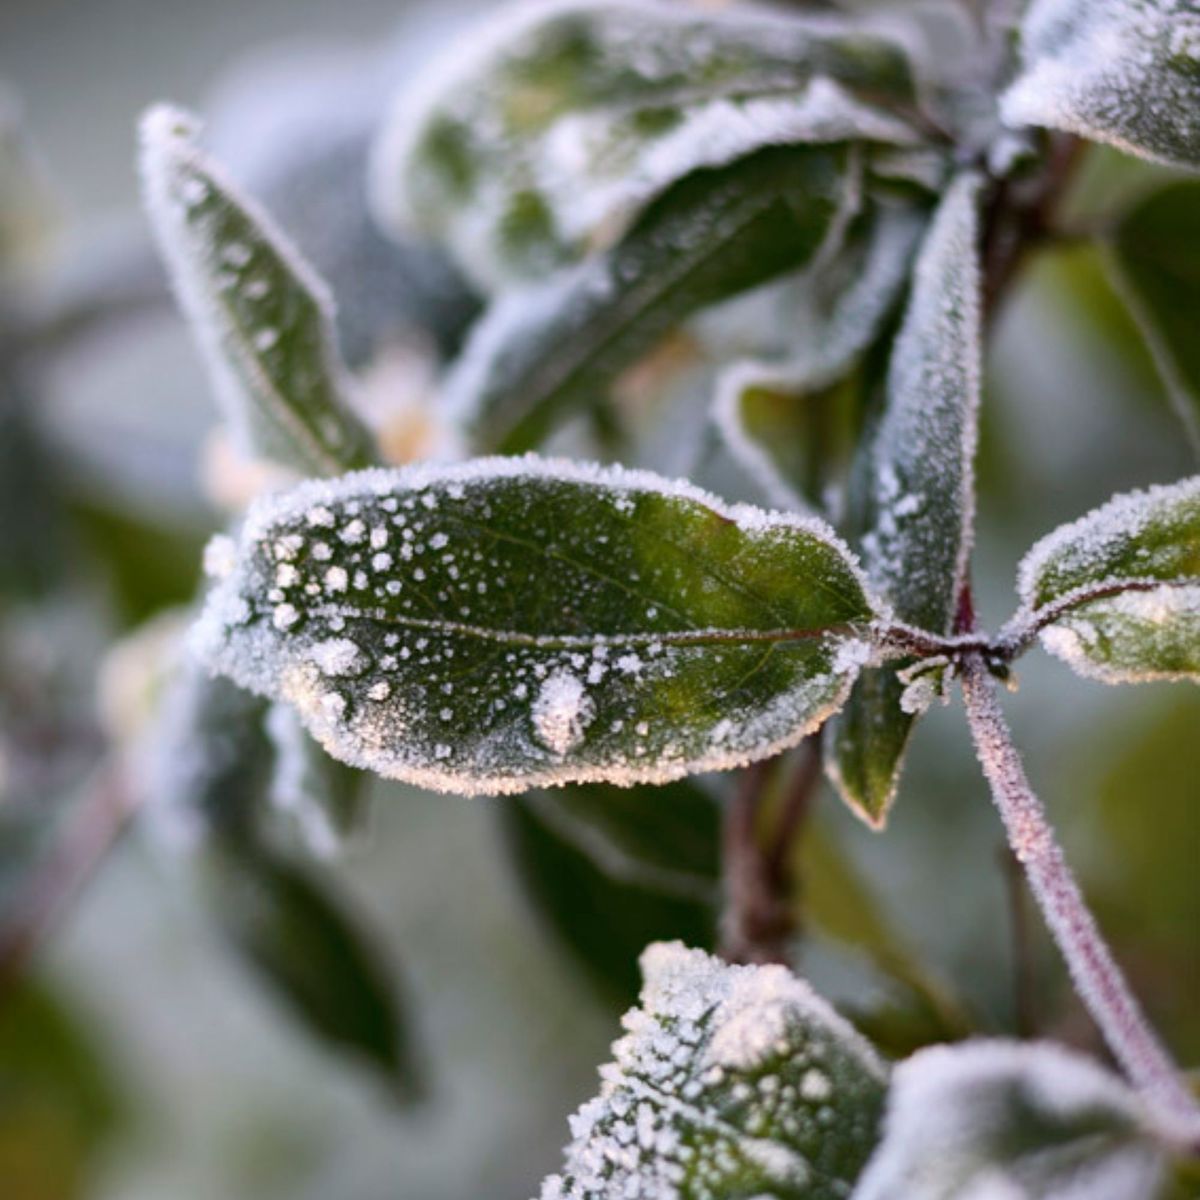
138 1057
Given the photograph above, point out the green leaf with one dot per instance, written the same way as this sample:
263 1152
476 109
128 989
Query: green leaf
566 119
59 1103
1126 72
314 953
729 1082
1116 594
914 502
541 351
1006 1119
263 318
512 623
325 796
1155 258
790 421
611 869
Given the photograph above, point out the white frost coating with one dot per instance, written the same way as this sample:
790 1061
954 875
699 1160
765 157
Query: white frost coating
177 175
922 480
1126 72
561 712
954 1112
475 701
591 165
711 135
726 1077
1087 545
1116 593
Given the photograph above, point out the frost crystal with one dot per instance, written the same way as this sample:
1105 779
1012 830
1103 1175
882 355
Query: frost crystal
1125 72
728 1081
1006 1119
553 622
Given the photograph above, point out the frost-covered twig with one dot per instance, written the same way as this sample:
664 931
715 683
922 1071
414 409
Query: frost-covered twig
1095 973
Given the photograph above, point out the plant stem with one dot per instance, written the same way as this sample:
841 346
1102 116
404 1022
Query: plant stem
1095 973
759 921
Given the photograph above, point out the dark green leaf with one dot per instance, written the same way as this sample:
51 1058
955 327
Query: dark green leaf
1116 594
1155 256
568 119
716 233
914 503
315 955
1125 72
59 1104
729 1082
612 869
262 316
1005 1119
510 623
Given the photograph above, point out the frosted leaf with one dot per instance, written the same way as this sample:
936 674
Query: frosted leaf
627 628
542 350
563 119
263 319
1002 1119
729 1081
307 944
785 421
1125 72
913 496
1154 257
323 796
1116 594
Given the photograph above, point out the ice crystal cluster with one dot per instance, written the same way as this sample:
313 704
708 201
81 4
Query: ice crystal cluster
728 1081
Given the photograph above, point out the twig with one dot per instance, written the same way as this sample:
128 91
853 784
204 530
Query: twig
92 832
1096 975
759 919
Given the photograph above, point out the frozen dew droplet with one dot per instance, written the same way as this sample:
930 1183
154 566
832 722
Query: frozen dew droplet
562 712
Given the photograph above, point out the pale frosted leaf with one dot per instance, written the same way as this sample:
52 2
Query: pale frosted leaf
263 318
1120 71
544 350
515 622
1116 594
562 119
1002 1119
1155 258
914 499
729 1082
323 795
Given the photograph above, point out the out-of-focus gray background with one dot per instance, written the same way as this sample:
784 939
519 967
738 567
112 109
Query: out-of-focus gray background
225 1098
